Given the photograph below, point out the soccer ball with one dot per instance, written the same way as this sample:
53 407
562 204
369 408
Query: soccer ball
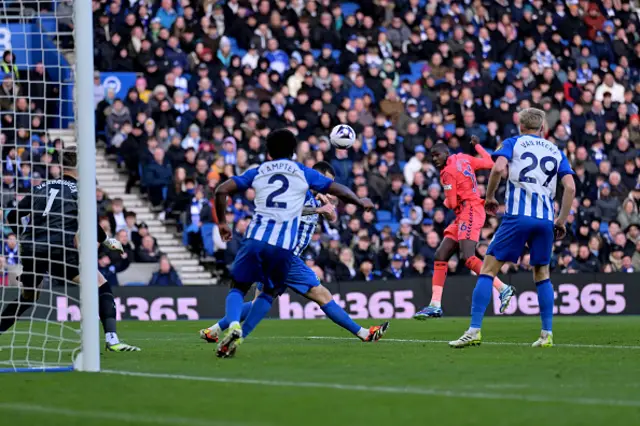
342 136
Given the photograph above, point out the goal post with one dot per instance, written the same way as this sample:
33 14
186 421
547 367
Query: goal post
89 359
47 107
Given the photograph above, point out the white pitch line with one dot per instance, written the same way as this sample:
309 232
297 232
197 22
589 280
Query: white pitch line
113 415
561 345
444 393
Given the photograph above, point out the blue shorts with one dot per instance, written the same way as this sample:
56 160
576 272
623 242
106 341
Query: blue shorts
258 261
516 231
301 279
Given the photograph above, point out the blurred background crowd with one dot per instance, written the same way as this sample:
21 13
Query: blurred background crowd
214 77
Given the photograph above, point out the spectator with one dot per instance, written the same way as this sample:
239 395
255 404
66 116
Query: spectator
157 177
107 270
117 217
10 250
418 268
148 251
117 115
606 204
396 270
346 268
586 262
628 214
233 246
123 261
166 276
365 272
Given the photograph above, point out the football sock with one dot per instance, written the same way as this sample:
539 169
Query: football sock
475 264
223 324
233 305
437 283
107 312
258 310
480 299
12 312
545 300
335 313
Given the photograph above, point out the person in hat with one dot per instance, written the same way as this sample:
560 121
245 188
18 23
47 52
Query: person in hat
457 173
396 270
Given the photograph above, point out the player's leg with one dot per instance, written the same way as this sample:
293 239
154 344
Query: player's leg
541 246
323 297
298 273
474 263
28 294
506 246
545 300
448 247
106 312
212 334
256 262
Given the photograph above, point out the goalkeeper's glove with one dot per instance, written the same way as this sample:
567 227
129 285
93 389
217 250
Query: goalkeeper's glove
113 244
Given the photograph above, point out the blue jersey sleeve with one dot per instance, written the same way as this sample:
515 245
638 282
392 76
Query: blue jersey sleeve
564 168
505 150
245 180
316 180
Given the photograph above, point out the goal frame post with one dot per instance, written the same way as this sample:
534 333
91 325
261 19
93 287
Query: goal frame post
89 358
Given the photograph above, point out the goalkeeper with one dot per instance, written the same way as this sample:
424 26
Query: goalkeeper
48 247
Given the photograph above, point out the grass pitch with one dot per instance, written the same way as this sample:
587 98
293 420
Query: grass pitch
313 373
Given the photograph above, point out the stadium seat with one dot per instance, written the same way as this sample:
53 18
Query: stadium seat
134 284
394 227
416 68
451 128
409 77
239 52
349 8
604 228
316 53
384 216
493 69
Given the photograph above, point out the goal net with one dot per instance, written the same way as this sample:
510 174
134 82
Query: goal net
40 115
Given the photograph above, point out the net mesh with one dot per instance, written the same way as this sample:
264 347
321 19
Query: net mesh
36 127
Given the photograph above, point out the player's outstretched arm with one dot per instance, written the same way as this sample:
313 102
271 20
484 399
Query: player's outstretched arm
348 196
229 187
484 162
569 194
500 166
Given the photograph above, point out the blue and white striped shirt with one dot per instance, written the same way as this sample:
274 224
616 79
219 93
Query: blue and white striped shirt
534 167
281 191
307 226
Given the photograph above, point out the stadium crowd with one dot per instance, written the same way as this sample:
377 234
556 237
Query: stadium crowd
214 77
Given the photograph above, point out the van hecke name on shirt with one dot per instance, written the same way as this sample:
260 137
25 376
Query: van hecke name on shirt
526 143
283 166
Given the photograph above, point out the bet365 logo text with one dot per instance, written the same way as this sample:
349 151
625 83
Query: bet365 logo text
381 304
138 308
570 299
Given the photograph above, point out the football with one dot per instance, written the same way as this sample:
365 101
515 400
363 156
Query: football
342 136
